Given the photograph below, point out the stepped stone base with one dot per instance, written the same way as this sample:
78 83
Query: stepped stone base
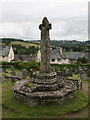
46 78
43 93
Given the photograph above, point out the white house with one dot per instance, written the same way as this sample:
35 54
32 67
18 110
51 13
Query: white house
6 53
57 56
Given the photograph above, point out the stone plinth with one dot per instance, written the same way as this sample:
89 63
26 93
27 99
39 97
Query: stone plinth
42 78
44 93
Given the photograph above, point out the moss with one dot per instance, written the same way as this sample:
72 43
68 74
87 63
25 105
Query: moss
28 85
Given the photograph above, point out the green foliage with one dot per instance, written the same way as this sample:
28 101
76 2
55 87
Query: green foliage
71 65
8 40
36 66
28 85
22 50
29 65
66 44
21 65
7 64
82 60
71 45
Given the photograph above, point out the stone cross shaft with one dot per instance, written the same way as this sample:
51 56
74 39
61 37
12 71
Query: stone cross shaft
45 46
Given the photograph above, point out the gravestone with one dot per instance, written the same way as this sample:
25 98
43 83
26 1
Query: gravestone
13 79
1 74
85 69
63 73
81 71
70 72
76 71
4 69
69 68
56 69
73 70
1 79
12 68
88 72
65 68
6 77
19 74
59 74
84 76
24 74
52 70
13 73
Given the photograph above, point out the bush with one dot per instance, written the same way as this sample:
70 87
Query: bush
21 65
70 65
36 66
82 60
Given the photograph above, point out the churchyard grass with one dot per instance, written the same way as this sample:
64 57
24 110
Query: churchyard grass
18 109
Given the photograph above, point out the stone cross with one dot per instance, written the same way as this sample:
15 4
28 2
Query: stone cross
45 46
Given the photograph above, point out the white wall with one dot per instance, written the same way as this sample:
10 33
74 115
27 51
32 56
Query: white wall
38 59
66 61
9 57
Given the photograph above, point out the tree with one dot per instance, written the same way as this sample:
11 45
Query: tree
82 60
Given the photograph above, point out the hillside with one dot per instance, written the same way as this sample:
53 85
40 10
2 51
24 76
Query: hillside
67 45
23 44
12 41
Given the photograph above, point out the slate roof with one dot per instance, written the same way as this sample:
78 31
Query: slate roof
25 58
4 51
55 54
76 55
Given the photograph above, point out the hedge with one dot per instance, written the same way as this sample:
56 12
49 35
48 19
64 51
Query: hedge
21 65
33 64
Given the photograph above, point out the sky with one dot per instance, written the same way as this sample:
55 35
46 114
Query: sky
21 18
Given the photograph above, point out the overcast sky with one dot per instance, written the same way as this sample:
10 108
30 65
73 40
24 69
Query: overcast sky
21 18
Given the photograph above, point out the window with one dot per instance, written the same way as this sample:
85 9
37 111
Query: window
11 56
59 59
53 60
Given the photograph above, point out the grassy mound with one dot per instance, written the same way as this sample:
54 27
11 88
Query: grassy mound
17 109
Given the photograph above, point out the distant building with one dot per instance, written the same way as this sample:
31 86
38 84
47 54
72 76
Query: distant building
24 58
6 53
73 56
57 56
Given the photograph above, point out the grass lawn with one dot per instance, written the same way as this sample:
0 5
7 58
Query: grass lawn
16 109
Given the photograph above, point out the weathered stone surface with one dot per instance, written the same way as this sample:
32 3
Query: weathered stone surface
45 46
84 76
24 74
39 77
44 86
44 93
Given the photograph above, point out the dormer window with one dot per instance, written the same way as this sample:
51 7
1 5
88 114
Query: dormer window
53 60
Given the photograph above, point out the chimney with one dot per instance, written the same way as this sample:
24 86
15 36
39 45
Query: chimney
61 49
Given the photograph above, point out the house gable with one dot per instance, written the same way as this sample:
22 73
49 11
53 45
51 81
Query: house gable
7 53
57 56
